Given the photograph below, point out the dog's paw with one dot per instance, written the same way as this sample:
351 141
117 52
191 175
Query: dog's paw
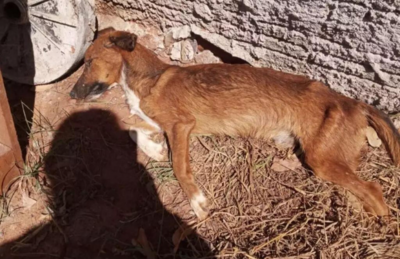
154 150
200 205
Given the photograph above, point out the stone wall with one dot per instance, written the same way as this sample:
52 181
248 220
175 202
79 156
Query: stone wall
353 45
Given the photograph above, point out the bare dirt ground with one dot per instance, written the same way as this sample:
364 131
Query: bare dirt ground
87 192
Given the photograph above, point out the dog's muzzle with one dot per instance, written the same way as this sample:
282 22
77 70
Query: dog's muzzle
84 91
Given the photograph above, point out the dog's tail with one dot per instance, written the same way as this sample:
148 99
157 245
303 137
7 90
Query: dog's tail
385 130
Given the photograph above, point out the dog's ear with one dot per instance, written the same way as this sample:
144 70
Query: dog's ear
123 40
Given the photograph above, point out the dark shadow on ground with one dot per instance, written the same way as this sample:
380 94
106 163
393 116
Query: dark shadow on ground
101 197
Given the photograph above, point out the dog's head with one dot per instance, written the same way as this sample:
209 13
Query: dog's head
103 63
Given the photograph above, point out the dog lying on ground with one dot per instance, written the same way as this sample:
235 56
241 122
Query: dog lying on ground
236 100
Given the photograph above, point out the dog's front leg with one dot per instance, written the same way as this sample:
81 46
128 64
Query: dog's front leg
178 137
144 135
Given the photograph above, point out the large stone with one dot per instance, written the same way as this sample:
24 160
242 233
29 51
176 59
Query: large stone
175 52
206 57
180 33
187 51
176 34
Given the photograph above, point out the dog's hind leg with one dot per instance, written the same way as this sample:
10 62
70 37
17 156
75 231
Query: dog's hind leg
370 193
178 137
333 156
144 135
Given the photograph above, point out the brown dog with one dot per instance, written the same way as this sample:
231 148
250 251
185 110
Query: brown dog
237 100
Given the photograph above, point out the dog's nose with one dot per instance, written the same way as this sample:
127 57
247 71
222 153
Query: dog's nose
72 94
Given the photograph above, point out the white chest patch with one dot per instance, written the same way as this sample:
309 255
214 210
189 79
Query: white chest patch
134 102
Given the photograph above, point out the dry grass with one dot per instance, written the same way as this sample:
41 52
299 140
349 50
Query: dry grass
259 213
29 180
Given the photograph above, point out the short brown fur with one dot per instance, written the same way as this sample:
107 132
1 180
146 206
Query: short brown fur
240 100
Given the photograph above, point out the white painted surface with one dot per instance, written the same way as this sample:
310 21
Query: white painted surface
53 41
